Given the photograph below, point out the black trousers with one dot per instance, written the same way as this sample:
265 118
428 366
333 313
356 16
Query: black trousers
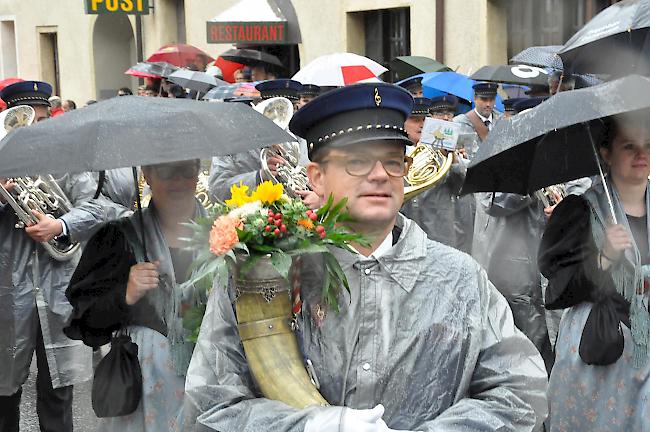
53 406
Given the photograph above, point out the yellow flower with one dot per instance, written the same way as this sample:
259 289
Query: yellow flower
268 192
239 195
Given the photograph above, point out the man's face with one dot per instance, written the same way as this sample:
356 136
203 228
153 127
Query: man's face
413 126
150 93
373 199
416 92
304 100
446 115
258 73
42 113
484 105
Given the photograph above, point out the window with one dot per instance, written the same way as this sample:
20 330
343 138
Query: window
387 34
49 56
8 58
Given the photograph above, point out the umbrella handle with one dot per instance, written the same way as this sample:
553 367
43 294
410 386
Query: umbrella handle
602 176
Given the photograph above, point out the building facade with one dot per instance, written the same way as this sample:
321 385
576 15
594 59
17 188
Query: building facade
84 55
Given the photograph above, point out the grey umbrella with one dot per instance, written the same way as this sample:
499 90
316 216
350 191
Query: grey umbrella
614 42
132 130
554 142
161 69
199 81
540 56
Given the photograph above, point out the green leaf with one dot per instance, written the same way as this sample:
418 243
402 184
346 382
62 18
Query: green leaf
325 208
281 262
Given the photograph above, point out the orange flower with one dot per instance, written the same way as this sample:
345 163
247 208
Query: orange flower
307 223
223 235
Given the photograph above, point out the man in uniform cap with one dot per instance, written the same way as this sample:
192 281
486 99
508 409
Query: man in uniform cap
415 121
509 106
413 85
307 93
482 118
444 107
423 341
34 308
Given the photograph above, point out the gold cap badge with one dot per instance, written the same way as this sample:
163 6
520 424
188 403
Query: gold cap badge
377 97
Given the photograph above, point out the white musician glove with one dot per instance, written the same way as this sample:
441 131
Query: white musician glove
342 419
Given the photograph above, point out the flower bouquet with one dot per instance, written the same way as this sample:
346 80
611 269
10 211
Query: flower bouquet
265 226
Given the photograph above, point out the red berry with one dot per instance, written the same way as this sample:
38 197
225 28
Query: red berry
283 228
278 216
320 229
276 232
271 213
313 216
277 222
270 219
267 228
322 235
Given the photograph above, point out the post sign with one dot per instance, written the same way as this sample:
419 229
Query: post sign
132 7
247 32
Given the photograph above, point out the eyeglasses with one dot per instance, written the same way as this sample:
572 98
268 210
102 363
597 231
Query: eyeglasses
167 172
360 166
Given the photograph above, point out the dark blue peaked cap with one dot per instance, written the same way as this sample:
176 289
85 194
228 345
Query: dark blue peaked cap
279 88
354 114
421 106
485 89
27 93
309 90
444 102
509 104
528 103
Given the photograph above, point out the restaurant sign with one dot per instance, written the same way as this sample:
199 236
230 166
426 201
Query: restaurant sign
247 32
132 7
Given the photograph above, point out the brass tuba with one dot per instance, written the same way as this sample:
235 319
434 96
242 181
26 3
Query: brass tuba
290 174
429 167
40 193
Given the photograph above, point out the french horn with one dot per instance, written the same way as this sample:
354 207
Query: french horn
290 173
36 193
429 167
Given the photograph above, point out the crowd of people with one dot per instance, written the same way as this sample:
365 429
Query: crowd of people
489 311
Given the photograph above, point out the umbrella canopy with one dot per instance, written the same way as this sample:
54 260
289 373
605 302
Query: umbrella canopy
539 56
453 83
407 66
130 131
181 55
233 90
228 68
614 42
552 143
339 69
199 81
251 57
513 74
151 70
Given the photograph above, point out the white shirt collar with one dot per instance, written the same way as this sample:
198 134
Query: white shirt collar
483 118
382 250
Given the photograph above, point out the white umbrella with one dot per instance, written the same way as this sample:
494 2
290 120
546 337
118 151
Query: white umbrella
339 69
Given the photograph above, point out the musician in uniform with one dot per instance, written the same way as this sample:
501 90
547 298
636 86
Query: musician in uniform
33 306
433 210
307 93
482 118
412 85
423 341
246 167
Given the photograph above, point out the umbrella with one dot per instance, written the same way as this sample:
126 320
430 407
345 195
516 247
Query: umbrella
233 90
540 56
199 81
453 83
553 142
181 55
4 83
517 74
130 131
615 42
151 70
339 69
251 57
228 68
407 66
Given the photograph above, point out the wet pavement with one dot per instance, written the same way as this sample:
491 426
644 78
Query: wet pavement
83 417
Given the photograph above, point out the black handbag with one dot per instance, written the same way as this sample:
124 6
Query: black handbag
117 386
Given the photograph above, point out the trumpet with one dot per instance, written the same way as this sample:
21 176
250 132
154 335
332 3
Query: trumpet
38 193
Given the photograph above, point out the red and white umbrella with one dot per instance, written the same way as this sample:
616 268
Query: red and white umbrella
339 69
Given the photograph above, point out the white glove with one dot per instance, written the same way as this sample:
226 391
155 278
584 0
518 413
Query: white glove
342 419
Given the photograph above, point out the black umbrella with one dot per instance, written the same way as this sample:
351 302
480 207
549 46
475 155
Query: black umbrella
251 57
199 81
408 66
555 141
540 56
614 42
132 130
513 74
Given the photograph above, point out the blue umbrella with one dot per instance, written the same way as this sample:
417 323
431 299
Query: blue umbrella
453 83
